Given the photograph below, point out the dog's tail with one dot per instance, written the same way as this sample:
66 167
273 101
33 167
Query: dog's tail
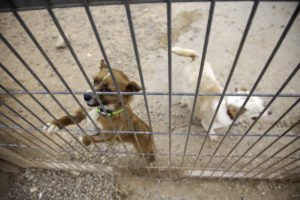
185 52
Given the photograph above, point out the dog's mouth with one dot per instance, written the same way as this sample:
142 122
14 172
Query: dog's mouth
90 99
92 103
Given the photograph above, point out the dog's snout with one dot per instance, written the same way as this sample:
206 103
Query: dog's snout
87 96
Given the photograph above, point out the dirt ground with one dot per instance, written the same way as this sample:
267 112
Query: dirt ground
53 184
189 26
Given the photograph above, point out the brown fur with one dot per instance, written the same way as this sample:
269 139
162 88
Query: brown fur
119 121
232 111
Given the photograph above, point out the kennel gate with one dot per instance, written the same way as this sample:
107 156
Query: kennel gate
28 146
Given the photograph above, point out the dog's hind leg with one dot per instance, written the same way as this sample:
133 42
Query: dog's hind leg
212 134
146 146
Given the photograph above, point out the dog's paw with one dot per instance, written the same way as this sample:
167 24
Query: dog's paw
51 128
213 137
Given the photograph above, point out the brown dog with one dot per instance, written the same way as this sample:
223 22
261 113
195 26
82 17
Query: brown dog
104 83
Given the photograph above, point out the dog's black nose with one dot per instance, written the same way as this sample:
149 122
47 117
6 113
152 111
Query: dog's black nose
87 96
253 118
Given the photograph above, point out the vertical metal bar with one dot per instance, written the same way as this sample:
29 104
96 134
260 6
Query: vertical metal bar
21 135
27 30
274 154
101 47
136 52
35 128
24 154
52 15
287 172
267 147
280 168
242 42
12 137
277 152
137 56
263 111
14 158
245 165
283 35
282 135
43 85
169 35
24 106
38 139
36 100
205 46
90 17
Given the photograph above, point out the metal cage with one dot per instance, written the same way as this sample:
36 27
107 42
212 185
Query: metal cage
24 143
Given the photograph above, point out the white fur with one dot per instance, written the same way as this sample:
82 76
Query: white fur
206 105
253 107
91 128
51 128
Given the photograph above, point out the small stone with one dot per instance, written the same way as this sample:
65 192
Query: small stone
263 193
75 173
60 43
33 189
40 195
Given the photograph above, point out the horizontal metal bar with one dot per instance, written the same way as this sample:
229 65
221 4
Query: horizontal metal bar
200 134
38 5
21 92
70 152
280 168
54 68
38 79
291 173
125 166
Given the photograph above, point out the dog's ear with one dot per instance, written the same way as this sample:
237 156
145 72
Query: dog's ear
232 111
133 87
102 65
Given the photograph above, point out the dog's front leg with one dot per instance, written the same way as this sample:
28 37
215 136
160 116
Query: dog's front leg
55 125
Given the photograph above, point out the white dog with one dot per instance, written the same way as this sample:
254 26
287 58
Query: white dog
206 105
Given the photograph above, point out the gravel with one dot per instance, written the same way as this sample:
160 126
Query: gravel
52 184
